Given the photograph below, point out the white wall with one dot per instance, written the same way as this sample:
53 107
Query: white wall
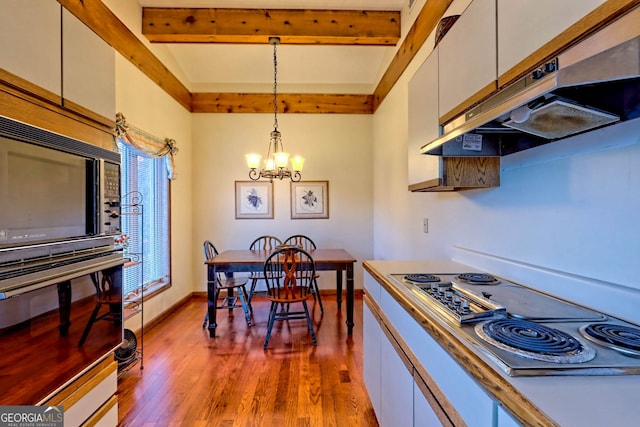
148 107
336 149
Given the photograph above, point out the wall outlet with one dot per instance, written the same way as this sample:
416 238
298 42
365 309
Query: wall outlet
425 225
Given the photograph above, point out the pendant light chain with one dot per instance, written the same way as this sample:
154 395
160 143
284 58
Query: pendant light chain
275 85
276 162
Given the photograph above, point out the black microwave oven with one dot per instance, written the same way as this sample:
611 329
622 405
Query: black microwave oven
54 188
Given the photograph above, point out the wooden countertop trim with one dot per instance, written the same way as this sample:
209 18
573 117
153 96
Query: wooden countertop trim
497 386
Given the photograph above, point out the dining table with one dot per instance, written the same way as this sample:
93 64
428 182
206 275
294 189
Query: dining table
236 261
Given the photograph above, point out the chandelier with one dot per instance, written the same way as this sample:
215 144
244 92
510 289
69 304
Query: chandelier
275 164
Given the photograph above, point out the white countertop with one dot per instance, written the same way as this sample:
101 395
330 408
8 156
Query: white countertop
568 400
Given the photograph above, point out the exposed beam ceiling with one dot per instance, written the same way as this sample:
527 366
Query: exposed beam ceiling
219 25
107 25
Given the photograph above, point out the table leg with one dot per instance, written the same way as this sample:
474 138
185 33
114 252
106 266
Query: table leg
212 298
350 298
339 288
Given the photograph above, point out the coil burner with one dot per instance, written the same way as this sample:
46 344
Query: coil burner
477 279
624 339
421 278
534 341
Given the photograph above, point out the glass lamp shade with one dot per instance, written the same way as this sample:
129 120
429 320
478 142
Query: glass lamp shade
281 159
269 164
296 163
253 160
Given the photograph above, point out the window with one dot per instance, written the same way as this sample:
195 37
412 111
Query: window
145 218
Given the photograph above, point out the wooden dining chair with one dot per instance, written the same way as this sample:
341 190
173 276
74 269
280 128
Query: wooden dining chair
288 273
262 243
308 245
231 285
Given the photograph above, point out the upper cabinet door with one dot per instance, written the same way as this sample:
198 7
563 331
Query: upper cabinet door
30 42
467 59
423 120
526 25
89 69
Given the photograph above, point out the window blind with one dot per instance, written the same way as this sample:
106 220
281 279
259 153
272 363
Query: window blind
145 218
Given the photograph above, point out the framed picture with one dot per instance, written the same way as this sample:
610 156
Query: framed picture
254 200
309 199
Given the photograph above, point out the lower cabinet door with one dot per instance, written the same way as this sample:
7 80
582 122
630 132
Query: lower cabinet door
371 343
423 413
505 419
396 383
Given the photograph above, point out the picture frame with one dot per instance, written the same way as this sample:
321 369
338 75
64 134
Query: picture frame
254 200
310 199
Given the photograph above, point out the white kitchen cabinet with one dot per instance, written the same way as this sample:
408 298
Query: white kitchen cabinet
396 383
423 413
505 419
467 57
434 173
372 334
91 399
88 78
526 25
30 42
389 378
423 124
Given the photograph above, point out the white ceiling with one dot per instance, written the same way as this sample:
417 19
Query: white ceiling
249 68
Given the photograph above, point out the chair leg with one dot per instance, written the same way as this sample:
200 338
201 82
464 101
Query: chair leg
254 282
230 295
272 318
313 333
316 295
245 307
206 320
246 297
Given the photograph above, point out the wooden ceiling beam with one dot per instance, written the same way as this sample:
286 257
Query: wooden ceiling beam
303 26
287 103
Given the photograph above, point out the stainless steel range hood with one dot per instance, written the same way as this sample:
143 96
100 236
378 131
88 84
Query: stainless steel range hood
595 83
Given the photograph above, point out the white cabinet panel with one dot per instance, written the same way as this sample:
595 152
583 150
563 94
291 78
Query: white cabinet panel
371 349
30 41
467 55
526 25
423 120
89 68
396 381
423 415
372 287
91 401
505 419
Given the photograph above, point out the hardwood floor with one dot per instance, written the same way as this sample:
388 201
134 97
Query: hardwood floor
192 380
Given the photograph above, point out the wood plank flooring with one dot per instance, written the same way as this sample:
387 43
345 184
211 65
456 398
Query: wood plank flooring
192 380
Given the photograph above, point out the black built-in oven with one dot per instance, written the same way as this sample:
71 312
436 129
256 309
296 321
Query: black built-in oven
60 272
